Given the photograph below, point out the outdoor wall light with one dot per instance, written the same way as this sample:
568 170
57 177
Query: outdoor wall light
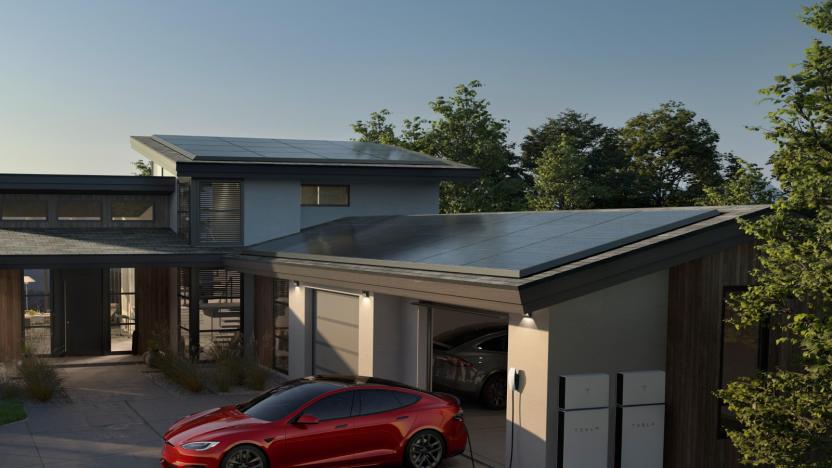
297 284
366 294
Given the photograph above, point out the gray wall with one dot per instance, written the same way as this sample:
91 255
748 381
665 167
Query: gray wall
270 209
621 328
368 199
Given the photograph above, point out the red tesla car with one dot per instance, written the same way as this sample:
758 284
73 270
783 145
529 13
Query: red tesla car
322 422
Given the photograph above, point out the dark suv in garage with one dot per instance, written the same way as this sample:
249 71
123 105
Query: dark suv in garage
472 361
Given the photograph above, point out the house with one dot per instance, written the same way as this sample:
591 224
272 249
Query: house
330 257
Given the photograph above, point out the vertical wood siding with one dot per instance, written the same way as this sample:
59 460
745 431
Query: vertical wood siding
155 305
11 315
693 357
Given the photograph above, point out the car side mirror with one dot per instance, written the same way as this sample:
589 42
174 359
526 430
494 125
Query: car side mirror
307 419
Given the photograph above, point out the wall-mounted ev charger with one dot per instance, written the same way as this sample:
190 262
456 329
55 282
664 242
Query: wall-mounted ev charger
515 379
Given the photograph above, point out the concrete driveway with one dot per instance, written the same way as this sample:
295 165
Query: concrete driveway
115 417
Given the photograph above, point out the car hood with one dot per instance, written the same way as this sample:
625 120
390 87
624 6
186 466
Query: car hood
210 425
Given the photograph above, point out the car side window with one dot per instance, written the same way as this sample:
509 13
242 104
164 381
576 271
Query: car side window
332 407
499 344
378 401
406 399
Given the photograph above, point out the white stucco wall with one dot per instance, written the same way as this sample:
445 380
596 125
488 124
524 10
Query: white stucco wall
620 328
370 199
271 209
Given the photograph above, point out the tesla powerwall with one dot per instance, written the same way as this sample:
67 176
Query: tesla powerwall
583 421
640 420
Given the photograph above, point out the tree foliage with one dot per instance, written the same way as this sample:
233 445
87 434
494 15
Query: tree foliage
786 414
142 167
674 155
464 131
575 163
744 184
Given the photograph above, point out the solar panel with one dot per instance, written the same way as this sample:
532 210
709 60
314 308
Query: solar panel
208 148
497 244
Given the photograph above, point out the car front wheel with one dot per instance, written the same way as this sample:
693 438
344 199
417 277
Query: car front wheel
245 456
425 450
493 394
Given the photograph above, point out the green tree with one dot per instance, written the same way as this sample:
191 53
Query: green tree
744 184
786 413
143 168
576 163
464 131
674 155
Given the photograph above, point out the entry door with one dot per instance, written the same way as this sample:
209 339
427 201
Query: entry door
84 311
336 333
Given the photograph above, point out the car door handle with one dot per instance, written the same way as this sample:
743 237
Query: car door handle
401 417
340 426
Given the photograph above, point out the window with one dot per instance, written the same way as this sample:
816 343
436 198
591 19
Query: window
37 312
138 210
281 325
15 209
282 401
220 218
332 407
498 344
184 207
744 354
219 308
378 401
79 210
325 195
122 309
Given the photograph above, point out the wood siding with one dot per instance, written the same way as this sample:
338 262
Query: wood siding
264 320
693 357
155 306
11 315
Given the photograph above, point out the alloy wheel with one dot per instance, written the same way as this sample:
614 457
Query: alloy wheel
245 458
426 450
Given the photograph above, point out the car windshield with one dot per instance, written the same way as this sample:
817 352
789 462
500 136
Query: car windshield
280 401
459 336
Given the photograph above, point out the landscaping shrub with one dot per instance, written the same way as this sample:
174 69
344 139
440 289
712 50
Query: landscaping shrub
254 375
181 371
40 379
10 389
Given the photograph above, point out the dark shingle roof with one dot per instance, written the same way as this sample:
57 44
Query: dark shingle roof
95 241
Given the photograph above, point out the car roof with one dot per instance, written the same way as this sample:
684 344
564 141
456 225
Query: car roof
357 381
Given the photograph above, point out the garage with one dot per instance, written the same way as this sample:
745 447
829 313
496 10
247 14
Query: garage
469 357
335 344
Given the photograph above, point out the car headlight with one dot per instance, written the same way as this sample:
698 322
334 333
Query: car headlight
199 446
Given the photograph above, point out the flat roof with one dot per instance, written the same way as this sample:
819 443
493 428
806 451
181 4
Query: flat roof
60 183
515 245
25 246
201 155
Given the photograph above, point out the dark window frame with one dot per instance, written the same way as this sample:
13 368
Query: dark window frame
278 304
324 205
111 296
24 296
763 337
27 219
196 187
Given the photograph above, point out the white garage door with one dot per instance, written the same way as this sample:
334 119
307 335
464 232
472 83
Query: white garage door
336 333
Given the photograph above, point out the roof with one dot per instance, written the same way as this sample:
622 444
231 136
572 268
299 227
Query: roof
514 245
512 294
211 155
29 247
48 183
356 381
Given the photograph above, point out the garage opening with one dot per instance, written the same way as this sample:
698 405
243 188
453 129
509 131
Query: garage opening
469 360
336 333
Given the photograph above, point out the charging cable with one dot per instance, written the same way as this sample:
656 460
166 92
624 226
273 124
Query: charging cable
511 443
470 447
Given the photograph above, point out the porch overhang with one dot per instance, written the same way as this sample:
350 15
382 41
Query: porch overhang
100 247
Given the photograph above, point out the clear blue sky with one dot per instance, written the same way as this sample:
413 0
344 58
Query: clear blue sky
77 78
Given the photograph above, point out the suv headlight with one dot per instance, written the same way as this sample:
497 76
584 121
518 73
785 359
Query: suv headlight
199 446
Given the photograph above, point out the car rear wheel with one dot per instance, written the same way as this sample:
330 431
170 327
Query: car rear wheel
493 394
426 449
245 456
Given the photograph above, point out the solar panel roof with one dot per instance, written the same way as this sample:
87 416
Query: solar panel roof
210 148
498 244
